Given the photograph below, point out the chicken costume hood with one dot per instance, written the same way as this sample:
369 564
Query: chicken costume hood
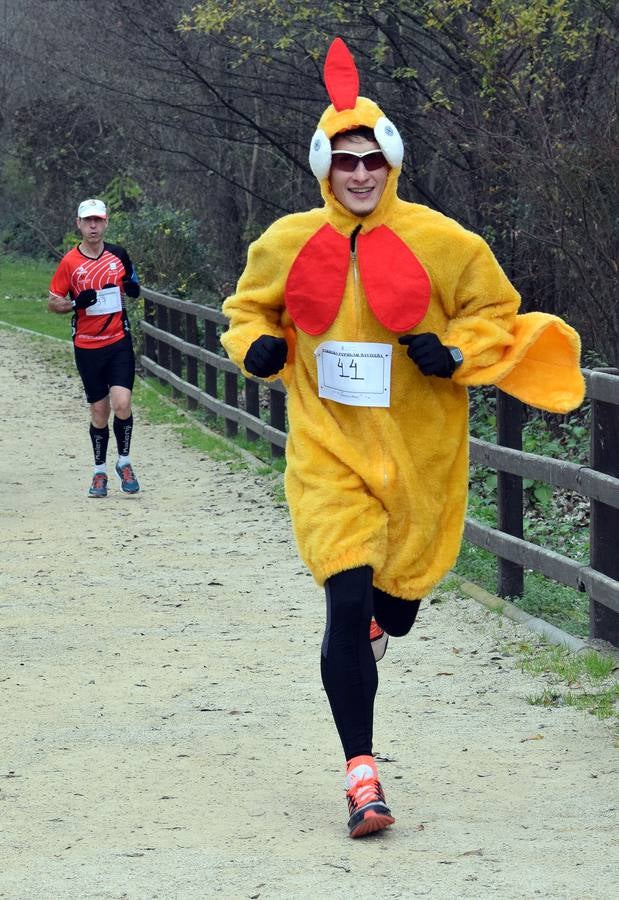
382 480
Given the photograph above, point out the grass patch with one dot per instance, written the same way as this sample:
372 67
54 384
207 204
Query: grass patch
568 666
33 315
23 298
546 698
561 606
589 677
24 278
601 704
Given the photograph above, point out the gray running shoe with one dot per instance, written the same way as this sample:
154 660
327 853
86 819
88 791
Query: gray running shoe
128 481
98 488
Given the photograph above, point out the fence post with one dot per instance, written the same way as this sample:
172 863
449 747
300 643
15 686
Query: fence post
150 346
231 397
252 405
509 492
211 342
604 528
176 357
191 336
163 349
277 404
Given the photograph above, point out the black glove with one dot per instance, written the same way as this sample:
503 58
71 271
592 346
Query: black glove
427 352
131 288
266 356
108 285
85 299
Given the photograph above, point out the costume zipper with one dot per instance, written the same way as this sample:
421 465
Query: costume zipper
355 275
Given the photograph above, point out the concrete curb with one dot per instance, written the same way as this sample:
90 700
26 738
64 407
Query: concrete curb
545 629
552 634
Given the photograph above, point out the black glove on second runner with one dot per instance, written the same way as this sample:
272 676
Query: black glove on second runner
266 356
432 357
85 299
131 288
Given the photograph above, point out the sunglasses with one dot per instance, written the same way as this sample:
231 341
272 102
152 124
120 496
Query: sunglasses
347 161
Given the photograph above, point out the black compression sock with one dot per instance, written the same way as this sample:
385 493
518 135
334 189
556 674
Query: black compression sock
122 432
99 438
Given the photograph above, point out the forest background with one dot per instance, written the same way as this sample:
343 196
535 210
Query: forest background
193 120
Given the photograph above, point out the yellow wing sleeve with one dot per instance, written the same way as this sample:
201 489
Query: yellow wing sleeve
534 357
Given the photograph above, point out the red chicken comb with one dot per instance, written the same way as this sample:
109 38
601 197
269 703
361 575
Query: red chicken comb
341 76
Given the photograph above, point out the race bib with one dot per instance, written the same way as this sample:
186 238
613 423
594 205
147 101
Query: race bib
354 373
108 301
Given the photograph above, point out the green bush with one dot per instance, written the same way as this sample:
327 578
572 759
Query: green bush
165 247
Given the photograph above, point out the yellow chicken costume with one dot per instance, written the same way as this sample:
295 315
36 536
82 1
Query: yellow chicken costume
385 484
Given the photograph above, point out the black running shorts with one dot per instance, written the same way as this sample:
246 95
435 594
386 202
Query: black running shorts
106 367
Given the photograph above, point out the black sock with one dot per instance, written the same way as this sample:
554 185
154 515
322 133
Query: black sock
122 432
99 438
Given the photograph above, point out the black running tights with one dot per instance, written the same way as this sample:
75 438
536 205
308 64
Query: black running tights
347 663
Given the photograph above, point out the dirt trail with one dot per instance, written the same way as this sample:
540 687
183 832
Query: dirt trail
164 730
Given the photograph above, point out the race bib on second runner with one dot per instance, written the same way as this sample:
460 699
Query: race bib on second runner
354 373
108 301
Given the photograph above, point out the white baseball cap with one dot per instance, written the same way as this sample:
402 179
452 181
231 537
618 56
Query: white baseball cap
91 208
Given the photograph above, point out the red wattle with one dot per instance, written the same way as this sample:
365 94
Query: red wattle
396 285
316 281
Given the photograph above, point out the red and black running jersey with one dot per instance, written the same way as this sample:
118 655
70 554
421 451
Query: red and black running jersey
76 273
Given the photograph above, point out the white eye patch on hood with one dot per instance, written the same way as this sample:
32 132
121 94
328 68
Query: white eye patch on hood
387 137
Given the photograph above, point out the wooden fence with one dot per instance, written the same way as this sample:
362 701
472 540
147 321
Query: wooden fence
182 348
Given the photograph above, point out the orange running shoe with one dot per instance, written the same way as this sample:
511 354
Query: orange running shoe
378 639
366 800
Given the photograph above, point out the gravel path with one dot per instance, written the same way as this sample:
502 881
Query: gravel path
164 730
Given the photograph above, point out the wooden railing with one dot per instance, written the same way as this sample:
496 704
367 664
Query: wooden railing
178 337
182 348
598 481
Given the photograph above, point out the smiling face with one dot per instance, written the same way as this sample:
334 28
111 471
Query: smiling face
359 191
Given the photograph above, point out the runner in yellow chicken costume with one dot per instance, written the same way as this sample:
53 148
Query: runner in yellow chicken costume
377 320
